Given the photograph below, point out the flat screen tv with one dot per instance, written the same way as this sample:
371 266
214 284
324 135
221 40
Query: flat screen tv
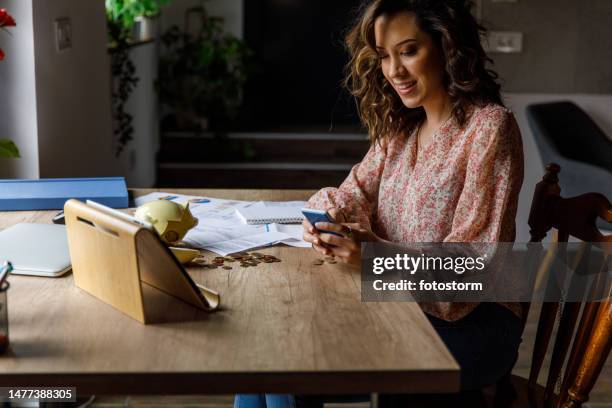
299 60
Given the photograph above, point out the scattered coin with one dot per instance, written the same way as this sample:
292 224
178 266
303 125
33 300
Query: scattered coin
246 260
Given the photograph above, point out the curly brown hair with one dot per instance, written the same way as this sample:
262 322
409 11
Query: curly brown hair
457 34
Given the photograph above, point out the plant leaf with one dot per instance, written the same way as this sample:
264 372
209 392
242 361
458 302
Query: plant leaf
8 149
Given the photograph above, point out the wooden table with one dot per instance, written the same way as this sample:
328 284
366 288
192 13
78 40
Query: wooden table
284 327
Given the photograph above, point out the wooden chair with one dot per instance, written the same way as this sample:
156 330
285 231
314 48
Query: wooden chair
590 347
592 341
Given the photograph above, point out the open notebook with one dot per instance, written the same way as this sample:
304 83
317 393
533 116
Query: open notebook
269 215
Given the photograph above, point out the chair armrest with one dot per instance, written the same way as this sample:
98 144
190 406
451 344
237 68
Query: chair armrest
578 178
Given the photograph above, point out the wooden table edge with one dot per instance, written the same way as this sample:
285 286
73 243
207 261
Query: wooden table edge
332 382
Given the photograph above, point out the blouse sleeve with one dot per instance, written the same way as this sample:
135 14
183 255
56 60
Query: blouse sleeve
357 196
487 206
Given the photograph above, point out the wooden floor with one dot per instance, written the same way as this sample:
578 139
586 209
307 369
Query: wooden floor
601 397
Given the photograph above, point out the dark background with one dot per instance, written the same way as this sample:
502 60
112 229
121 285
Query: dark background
299 63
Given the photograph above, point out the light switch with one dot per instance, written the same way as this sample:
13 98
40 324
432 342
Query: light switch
504 42
63 34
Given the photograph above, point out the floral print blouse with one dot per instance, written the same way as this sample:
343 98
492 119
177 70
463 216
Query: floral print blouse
462 187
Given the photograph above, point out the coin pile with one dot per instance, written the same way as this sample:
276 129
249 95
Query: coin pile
328 259
246 260
201 262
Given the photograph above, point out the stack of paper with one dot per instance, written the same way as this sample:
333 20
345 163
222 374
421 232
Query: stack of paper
220 229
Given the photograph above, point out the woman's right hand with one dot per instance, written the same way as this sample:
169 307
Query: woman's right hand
311 235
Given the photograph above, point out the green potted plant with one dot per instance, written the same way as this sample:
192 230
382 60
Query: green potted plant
121 16
201 75
7 147
135 16
119 22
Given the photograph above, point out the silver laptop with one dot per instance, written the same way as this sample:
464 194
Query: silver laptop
36 249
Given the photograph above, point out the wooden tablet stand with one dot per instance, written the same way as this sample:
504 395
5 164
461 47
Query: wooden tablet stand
112 258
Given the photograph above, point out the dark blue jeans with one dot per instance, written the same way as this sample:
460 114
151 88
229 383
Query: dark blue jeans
264 401
484 343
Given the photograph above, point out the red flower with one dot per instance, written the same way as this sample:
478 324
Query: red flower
6 20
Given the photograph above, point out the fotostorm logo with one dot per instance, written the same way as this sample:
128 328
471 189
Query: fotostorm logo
424 263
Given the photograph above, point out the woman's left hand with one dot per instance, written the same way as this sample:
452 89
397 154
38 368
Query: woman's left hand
347 247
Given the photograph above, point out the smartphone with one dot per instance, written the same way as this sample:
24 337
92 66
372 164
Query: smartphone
314 216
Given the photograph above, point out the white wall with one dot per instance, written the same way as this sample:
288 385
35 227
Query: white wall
73 91
567 46
18 118
56 106
598 107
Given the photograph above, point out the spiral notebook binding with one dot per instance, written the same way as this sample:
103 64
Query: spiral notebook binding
258 221
269 216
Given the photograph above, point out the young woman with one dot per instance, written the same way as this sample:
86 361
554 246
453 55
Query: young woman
445 163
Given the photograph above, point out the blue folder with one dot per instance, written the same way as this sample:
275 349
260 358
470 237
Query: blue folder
51 194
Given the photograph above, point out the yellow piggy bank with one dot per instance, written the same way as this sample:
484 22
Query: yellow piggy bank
171 220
